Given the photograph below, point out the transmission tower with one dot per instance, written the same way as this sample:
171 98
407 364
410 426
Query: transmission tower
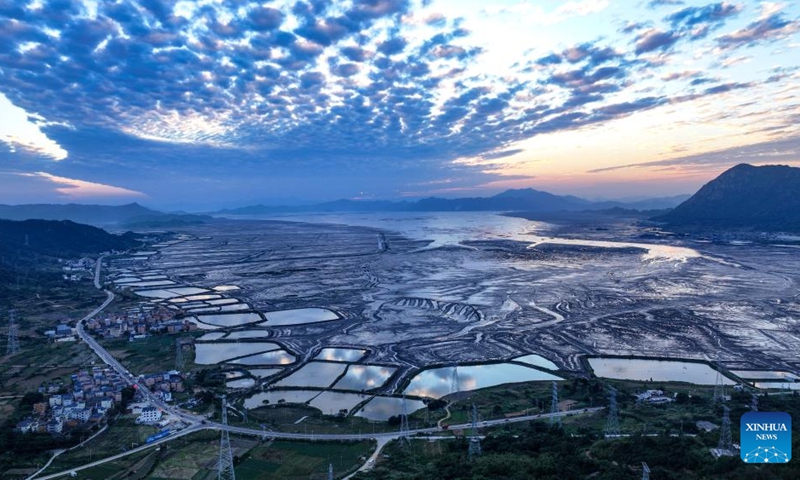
225 468
555 418
404 429
454 386
330 471
612 423
474 440
719 386
180 362
13 341
754 403
645 471
725 442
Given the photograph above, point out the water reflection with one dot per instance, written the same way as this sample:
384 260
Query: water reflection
298 316
381 408
230 320
277 357
364 377
275 397
340 354
765 374
314 374
213 353
241 383
438 382
655 370
330 403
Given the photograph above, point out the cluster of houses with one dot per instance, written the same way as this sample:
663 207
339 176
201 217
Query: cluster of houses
138 323
164 384
74 270
94 393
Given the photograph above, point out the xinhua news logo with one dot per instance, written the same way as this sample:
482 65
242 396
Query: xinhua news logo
766 437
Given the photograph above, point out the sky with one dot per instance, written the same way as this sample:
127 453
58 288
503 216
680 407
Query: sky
208 104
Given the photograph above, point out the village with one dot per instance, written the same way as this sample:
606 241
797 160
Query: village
93 396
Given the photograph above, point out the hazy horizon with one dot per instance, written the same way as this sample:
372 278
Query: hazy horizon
202 105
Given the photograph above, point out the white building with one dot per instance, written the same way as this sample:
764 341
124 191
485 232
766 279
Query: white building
149 415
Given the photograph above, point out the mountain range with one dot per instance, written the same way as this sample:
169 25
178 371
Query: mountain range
131 215
526 199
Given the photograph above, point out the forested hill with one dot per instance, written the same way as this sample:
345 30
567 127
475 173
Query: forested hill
59 238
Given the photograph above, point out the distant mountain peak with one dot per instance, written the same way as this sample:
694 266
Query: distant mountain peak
744 197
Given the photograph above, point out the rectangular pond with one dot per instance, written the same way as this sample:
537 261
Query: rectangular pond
313 374
656 370
778 385
765 375
276 397
241 383
247 334
276 357
218 352
330 403
299 316
364 377
438 382
230 319
379 409
340 354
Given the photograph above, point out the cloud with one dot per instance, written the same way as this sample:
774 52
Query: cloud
74 189
662 3
698 21
655 39
19 129
770 28
773 151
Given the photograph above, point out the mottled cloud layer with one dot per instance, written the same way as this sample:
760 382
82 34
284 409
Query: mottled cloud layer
405 91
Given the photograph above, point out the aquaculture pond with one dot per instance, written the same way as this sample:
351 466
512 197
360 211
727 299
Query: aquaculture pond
218 352
765 375
275 397
299 316
655 370
313 374
364 377
438 382
340 354
330 403
241 383
381 408
275 357
229 319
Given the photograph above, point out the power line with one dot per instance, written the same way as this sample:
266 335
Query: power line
612 422
719 385
13 340
555 418
725 442
225 469
474 440
404 429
